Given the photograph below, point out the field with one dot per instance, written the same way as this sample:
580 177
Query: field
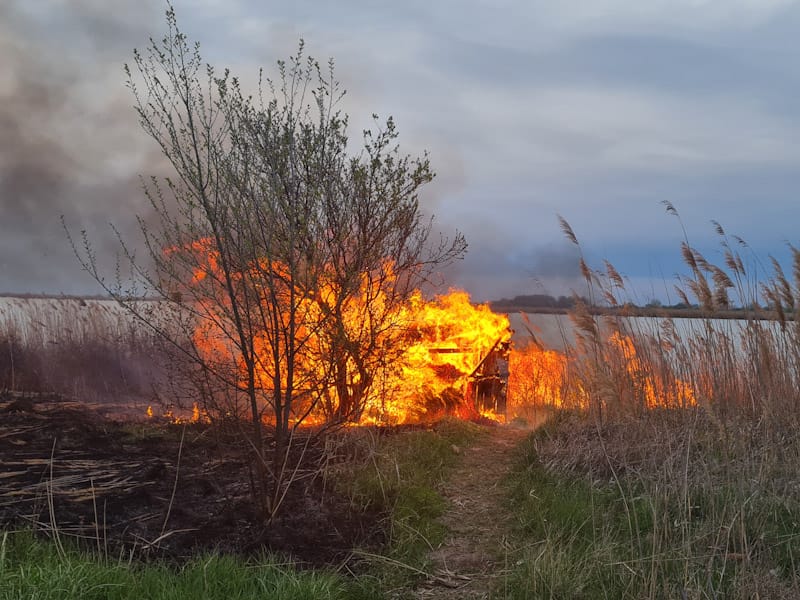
666 466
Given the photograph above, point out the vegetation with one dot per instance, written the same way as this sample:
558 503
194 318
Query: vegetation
285 253
392 474
31 568
668 470
651 510
545 304
671 469
398 475
80 347
537 301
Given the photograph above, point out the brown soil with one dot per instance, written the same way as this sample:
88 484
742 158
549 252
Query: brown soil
471 561
121 487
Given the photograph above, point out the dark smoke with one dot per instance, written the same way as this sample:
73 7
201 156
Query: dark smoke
69 141
502 263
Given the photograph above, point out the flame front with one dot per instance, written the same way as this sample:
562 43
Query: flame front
613 372
649 383
427 355
423 352
538 378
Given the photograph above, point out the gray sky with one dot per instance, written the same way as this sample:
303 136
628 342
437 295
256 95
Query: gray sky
593 109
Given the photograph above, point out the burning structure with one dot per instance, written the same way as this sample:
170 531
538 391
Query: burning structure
488 386
427 358
456 360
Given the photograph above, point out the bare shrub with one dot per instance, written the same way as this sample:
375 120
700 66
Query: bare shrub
283 254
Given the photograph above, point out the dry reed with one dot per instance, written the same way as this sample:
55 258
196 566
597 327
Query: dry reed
693 426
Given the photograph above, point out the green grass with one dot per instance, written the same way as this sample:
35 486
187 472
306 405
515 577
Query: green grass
33 568
725 530
566 538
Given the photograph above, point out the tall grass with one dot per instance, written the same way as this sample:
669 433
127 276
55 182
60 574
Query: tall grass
672 471
79 347
731 368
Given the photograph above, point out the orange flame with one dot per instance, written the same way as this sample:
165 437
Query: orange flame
198 415
446 340
655 387
537 378
428 351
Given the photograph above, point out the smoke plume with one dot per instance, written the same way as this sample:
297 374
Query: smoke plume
69 141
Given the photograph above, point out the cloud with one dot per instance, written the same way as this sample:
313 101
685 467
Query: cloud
596 110
690 15
595 128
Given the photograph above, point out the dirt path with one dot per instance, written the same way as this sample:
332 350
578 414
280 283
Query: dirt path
468 563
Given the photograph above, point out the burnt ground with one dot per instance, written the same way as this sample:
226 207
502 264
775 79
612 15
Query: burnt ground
470 562
120 486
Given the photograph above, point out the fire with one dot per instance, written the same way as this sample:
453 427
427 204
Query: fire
654 387
538 378
427 357
447 338
198 415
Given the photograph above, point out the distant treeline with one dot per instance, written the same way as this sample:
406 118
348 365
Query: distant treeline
540 301
544 303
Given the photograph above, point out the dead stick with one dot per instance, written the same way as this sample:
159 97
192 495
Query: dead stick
51 504
175 484
96 523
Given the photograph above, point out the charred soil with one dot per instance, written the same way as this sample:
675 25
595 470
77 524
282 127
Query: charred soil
158 489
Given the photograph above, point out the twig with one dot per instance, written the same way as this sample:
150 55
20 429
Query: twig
51 504
392 561
174 485
3 550
94 508
438 579
147 545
